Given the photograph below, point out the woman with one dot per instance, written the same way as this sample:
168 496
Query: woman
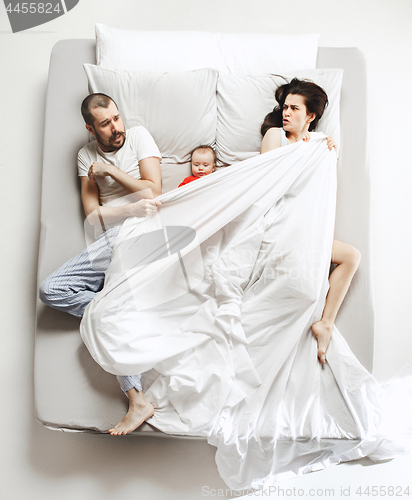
300 106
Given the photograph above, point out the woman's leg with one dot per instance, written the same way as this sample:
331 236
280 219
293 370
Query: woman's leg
347 259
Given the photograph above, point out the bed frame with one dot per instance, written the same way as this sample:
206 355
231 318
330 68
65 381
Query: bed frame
72 392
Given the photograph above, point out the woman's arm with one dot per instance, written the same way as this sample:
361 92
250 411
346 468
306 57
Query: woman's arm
271 140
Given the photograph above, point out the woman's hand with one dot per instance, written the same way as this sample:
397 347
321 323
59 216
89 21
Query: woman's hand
306 137
330 142
99 169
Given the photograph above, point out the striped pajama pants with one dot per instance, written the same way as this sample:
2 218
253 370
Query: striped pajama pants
75 283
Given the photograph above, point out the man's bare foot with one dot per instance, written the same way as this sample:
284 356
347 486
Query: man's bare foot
323 333
140 409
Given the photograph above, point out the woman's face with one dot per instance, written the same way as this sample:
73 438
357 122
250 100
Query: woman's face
295 115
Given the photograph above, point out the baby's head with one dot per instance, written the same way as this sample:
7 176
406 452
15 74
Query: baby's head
203 161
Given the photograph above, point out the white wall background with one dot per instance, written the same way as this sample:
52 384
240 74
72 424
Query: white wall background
38 463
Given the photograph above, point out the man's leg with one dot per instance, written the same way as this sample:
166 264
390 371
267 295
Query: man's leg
140 409
75 283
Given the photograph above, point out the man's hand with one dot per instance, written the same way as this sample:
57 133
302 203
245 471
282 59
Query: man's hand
99 169
330 142
143 208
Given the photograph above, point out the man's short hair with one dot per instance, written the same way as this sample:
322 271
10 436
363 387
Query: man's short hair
94 101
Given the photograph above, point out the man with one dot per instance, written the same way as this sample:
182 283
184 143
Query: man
120 177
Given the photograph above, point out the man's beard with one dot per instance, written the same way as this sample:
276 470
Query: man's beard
107 146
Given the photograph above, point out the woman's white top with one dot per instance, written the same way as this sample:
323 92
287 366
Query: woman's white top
283 139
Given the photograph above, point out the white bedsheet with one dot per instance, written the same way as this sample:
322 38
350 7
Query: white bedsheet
223 328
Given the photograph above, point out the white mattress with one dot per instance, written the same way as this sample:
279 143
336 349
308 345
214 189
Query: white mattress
71 391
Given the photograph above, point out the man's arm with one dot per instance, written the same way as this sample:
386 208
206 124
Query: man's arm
110 215
151 176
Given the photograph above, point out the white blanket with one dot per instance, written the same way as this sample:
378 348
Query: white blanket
221 320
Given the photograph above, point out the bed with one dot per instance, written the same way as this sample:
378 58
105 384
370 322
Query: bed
72 392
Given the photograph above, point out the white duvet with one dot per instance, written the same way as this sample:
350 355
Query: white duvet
220 320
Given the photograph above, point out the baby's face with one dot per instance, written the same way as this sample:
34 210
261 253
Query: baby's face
202 162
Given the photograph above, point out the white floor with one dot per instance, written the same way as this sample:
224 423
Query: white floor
350 480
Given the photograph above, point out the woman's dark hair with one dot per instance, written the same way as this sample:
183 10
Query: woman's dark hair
314 96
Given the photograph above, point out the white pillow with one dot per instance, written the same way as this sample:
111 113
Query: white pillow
244 101
154 50
178 109
257 54
232 53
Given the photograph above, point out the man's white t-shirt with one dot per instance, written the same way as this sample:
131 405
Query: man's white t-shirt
139 144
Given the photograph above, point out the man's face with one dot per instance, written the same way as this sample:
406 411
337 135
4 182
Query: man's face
108 128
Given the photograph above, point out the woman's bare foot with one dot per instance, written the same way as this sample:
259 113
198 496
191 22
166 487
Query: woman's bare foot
323 333
140 409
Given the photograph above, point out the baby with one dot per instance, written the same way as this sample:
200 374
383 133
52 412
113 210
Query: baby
203 160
